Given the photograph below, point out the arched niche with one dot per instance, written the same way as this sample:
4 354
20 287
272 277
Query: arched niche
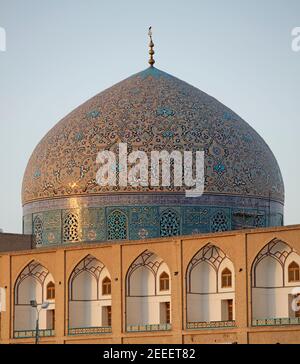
208 303
146 303
88 306
272 293
31 285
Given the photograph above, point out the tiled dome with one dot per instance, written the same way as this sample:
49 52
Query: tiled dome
150 110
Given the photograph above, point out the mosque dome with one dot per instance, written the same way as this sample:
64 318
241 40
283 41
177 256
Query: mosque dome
150 110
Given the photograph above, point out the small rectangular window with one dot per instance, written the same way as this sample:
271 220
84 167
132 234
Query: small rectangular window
50 319
106 316
230 309
165 313
227 310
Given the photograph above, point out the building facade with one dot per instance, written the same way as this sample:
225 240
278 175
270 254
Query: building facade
135 262
230 287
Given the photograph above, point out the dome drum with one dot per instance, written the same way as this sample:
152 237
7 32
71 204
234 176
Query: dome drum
148 217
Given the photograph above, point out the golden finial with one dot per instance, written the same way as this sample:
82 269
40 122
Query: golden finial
151 51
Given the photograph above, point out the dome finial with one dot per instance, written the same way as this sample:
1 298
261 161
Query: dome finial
151 51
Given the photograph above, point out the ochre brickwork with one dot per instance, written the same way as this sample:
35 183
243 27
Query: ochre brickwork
241 247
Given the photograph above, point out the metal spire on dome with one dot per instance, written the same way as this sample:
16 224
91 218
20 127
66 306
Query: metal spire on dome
151 51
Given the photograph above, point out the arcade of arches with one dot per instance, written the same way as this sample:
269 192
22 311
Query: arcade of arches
223 287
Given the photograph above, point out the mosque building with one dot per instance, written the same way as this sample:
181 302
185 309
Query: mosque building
151 264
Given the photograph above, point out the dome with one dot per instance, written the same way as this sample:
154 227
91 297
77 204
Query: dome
152 110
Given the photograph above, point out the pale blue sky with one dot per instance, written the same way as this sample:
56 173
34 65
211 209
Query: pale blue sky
62 52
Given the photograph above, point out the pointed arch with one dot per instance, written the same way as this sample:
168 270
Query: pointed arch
164 281
226 278
71 228
293 272
33 270
89 308
209 254
50 291
117 225
148 264
38 230
146 304
272 279
88 266
210 303
31 285
106 286
274 251
169 223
